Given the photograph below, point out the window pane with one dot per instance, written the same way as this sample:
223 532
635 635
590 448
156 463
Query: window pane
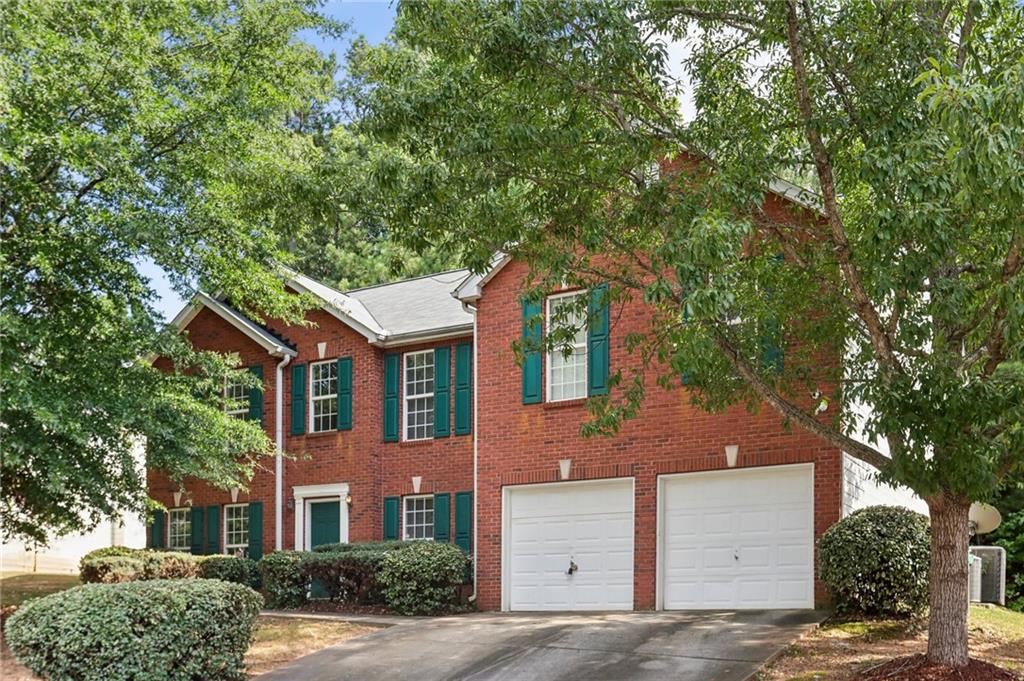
419 517
236 528
179 529
324 404
419 395
236 397
567 376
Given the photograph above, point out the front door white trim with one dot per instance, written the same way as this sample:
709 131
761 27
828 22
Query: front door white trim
308 494
659 588
506 525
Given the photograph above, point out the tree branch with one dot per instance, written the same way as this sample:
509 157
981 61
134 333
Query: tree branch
790 411
880 340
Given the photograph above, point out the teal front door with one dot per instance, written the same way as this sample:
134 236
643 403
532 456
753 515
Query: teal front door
324 523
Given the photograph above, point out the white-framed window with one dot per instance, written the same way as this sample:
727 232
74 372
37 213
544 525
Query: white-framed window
323 396
419 395
236 396
567 375
418 517
236 528
179 529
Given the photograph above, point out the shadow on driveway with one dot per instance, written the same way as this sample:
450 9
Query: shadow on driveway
682 646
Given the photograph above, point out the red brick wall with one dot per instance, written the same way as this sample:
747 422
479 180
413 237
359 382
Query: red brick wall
522 443
372 468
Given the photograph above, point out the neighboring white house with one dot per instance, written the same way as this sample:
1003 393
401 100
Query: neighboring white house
861 486
62 555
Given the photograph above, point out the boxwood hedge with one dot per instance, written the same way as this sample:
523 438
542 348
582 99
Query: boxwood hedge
174 630
423 578
875 561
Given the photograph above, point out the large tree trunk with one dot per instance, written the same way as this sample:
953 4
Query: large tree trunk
947 624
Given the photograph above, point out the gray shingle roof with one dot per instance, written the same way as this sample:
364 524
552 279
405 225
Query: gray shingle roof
416 305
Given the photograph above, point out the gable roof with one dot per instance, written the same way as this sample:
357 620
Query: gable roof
265 339
347 309
472 286
417 307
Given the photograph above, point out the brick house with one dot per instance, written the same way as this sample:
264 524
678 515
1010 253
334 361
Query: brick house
406 415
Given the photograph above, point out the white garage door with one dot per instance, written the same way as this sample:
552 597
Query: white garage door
549 526
738 539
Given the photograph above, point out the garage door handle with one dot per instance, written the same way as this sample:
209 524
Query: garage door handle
736 555
572 568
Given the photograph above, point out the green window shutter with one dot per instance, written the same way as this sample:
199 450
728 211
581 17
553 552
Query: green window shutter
463 388
597 341
299 399
771 346
531 352
442 517
212 530
156 531
391 517
442 391
255 530
391 362
256 396
464 521
345 393
197 531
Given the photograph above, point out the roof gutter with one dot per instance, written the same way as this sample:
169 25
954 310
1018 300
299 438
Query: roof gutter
471 309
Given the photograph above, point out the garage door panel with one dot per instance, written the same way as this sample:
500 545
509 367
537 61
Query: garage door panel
738 539
590 524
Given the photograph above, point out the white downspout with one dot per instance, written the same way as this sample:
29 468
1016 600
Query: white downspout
279 446
476 425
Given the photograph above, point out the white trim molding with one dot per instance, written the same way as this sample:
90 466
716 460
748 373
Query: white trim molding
306 494
251 329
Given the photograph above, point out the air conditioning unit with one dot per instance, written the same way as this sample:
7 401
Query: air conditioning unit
988 585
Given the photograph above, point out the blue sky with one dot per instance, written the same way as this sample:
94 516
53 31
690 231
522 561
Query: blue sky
373 20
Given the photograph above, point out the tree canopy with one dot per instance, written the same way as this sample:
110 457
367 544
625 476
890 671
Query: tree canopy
136 130
553 131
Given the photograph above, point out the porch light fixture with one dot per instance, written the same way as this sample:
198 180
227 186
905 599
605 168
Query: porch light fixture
417 480
563 468
348 500
732 452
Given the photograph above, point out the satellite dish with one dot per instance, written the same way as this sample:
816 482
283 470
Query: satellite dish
984 518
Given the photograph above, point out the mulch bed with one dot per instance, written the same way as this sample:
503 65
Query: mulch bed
917 668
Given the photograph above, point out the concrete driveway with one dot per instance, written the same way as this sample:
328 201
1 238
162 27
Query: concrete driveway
682 646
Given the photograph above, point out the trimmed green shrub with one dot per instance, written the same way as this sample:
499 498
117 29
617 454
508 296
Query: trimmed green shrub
173 630
346 576
387 545
128 565
106 552
423 577
231 569
282 579
875 561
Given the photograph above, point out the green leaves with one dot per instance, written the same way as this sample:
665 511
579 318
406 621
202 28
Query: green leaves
136 131
530 128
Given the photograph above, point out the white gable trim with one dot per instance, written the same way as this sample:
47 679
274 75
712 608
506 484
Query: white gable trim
345 308
472 287
257 334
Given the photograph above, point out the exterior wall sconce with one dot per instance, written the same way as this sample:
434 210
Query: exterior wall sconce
563 468
732 452
290 504
348 500
234 495
417 480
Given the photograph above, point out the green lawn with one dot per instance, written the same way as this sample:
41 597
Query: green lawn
16 588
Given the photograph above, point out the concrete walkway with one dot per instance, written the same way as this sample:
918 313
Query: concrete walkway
682 646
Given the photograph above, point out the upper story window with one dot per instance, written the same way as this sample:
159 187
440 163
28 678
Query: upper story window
236 529
567 375
418 395
419 517
323 403
179 529
236 397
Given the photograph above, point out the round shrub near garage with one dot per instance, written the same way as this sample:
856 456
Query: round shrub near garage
119 564
875 561
173 630
423 578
